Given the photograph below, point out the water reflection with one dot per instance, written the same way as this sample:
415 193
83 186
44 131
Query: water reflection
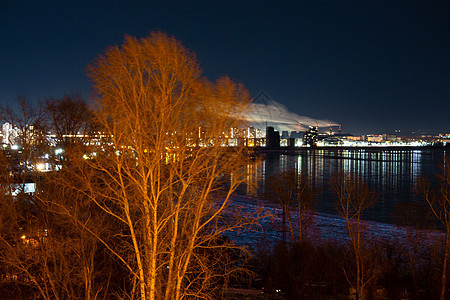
391 173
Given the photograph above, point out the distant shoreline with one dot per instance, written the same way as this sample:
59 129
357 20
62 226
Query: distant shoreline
296 150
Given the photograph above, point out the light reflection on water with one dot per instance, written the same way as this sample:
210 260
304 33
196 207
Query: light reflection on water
391 173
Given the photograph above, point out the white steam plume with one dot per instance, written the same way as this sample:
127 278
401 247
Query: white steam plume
265 109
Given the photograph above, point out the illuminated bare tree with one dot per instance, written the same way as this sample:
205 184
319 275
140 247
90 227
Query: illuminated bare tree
161 165
42 249
439 201
20 228
353 197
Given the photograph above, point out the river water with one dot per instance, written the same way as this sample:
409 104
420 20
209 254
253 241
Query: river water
392 174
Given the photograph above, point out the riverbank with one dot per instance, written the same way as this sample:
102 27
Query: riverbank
399 262
323 227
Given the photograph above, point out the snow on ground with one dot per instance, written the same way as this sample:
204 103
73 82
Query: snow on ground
325 227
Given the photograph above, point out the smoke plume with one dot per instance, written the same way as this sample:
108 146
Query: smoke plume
265 110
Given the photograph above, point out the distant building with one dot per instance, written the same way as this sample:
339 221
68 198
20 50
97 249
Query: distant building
332 141
389 138
291 142
272 138
356 138
10 134
295 135
374 138
310 136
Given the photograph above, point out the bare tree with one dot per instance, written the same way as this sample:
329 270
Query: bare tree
439 201
27 133
305 200
410 216
70 120
282 189
22 230
43 249
159 168
353 197
72 226
293 189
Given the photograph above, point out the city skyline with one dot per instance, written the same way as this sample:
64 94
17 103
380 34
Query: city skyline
373 68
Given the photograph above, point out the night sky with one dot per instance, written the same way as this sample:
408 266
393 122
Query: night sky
372 66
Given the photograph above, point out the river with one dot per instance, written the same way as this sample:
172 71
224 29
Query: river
392 174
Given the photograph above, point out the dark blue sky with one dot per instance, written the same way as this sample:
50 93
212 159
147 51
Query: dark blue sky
372 66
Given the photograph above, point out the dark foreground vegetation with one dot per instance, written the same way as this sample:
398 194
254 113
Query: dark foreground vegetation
132 202
410 266
326 271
